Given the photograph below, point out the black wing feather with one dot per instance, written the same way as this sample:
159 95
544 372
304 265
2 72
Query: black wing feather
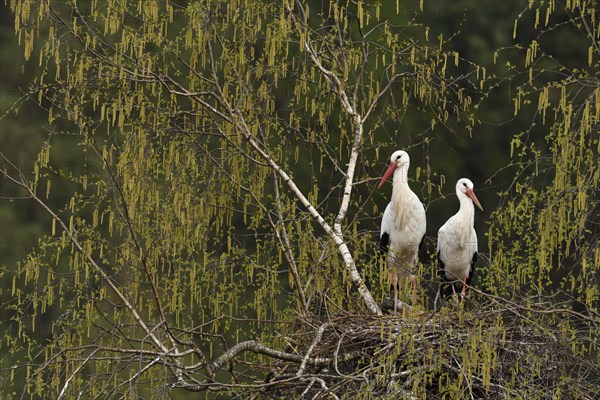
384 242
445 290
424 255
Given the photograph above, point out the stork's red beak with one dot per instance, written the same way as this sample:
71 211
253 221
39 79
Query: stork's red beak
388 172
471 194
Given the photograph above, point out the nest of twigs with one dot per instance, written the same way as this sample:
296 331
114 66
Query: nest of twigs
482 348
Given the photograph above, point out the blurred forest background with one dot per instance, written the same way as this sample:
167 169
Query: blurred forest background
190 223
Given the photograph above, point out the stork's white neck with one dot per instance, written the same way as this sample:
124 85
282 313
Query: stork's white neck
466 215
466 204
400 195
400 180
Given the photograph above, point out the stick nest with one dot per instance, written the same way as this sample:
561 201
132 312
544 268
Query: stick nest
483 349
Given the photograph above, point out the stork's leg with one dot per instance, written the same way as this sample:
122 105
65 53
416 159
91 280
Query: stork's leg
464 288
438 297
454 293
395 283
414 282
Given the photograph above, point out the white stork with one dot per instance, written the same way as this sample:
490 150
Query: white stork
457 241
403 223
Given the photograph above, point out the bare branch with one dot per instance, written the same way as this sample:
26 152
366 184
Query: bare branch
257 347
64 389
316 341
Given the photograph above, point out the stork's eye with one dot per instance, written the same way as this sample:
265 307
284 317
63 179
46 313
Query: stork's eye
398 157
464 184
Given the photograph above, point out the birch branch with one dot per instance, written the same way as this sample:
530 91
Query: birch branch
357 121
64 389
240 123
257 347
316 341
337 239
358 132
333 78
